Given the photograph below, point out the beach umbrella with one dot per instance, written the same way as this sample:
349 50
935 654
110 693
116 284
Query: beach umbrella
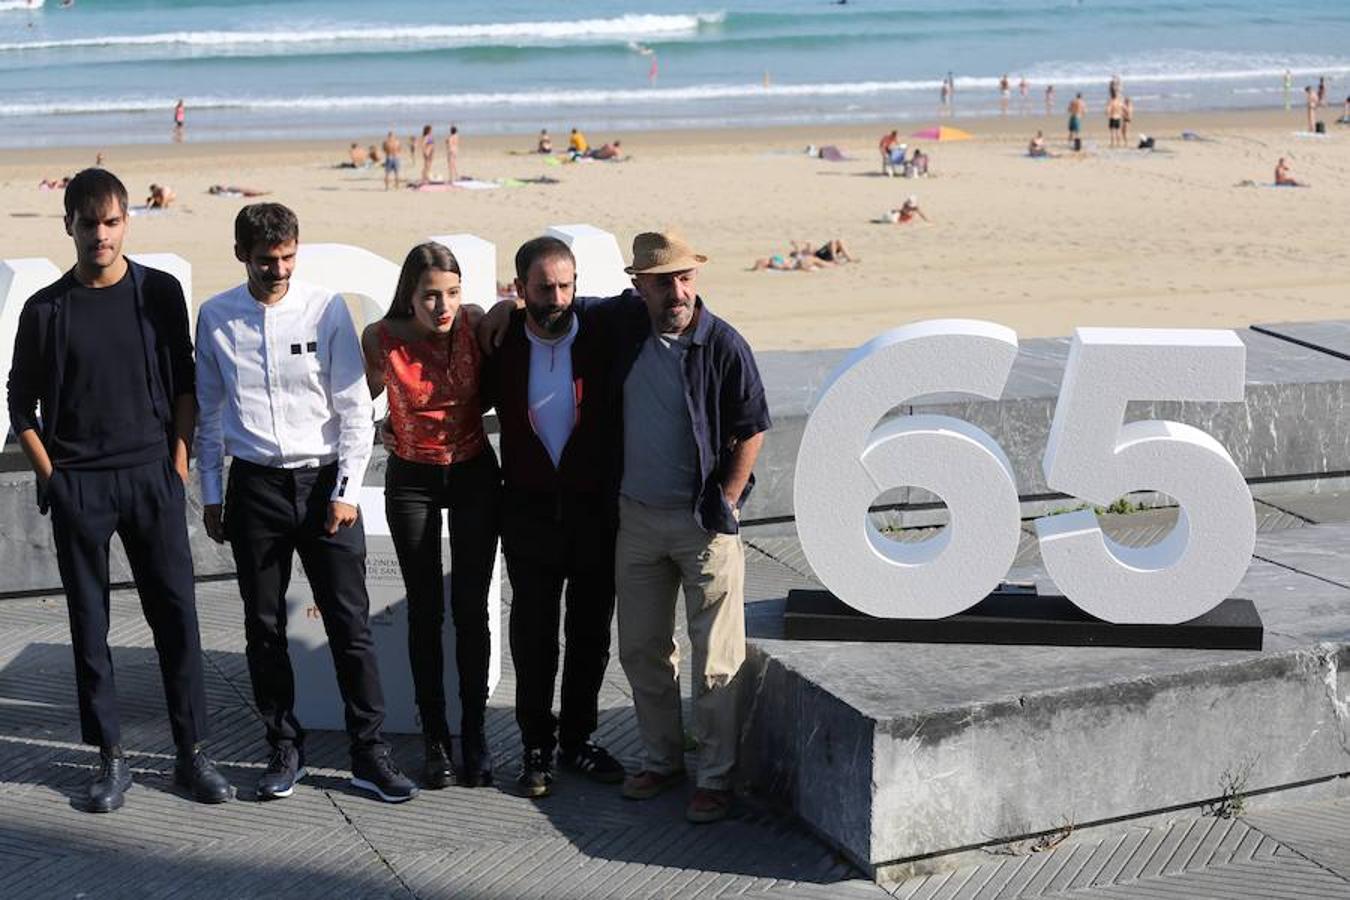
942 133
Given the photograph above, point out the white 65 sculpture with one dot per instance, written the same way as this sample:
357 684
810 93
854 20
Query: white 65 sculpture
846 462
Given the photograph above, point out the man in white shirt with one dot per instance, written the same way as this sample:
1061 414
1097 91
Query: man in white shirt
281 389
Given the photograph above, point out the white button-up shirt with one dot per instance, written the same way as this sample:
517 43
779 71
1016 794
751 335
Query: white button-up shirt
281 386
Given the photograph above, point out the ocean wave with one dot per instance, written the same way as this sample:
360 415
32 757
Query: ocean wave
494 98
625 26
1185 66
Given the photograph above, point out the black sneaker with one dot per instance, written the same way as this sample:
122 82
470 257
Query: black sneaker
536 774
593 761
376 773
110 783
284 769
196 771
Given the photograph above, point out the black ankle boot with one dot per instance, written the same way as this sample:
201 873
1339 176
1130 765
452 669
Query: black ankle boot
477 770
438 770
110 783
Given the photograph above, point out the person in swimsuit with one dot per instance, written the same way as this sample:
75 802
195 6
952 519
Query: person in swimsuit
832 251
1126 117
1003 94
1115 112
392 148
1076 110
452 155
545 144
428 152
1282 176
179 120
1310 105
1049 99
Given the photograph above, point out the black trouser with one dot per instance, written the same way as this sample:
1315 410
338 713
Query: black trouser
550 539
414 495
146 506
271 514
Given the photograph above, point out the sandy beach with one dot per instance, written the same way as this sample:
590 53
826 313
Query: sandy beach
1114 237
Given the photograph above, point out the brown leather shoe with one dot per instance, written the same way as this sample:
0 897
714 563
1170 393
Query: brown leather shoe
708 805
647 784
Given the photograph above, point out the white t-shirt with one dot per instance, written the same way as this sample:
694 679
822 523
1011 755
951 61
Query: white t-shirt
552 398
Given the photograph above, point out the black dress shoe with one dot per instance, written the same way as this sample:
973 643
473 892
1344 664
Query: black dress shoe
112 780
438 771
477 770
196 772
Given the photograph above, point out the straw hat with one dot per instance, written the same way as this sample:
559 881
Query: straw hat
661 252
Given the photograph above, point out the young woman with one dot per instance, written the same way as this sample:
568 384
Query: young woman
424 354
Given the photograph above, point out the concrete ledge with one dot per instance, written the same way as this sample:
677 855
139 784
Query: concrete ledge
918 751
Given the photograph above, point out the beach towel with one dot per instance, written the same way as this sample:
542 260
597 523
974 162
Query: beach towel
475 184
429 187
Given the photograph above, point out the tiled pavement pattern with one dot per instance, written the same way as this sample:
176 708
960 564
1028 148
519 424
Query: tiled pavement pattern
583 842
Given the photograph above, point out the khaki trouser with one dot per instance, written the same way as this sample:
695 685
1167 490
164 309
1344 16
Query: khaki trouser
658 551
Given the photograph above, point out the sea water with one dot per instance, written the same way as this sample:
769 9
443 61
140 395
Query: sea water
110 71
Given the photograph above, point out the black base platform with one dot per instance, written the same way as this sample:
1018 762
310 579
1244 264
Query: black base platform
1018 614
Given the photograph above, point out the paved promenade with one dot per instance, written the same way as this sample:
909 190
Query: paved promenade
584 842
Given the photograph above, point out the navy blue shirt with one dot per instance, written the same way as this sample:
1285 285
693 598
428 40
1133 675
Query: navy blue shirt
107 418
722 387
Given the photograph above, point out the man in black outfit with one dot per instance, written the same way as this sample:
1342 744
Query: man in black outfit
101 398
559 513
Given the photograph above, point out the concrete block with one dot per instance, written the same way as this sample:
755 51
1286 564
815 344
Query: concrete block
19 280
478 267
179 268
894 752
317 701
600 262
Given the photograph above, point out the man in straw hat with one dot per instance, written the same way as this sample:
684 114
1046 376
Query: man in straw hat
694 417
686 389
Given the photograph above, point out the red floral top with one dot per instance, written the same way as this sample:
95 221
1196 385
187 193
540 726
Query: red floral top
434 408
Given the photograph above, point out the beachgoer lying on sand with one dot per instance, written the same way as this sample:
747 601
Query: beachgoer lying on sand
1037 146
545 144
161 197
908 211
801 259
1283 178
234 190
54 184
608 151
832 252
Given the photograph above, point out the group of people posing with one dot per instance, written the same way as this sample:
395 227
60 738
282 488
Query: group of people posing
629 427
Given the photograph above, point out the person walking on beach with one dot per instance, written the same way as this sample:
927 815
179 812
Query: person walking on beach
282 391
1322 91
424 353
1310 107
1115 117
549 382
1023 90
1049 99
1288 87
1126 117
1077 109
101 399
452 155
1004 92
393 149
428 149
179 120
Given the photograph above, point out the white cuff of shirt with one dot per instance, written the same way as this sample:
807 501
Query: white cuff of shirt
347 489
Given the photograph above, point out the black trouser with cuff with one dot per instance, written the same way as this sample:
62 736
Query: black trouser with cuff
272 514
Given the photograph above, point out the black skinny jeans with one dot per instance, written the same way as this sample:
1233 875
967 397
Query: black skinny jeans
414 495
